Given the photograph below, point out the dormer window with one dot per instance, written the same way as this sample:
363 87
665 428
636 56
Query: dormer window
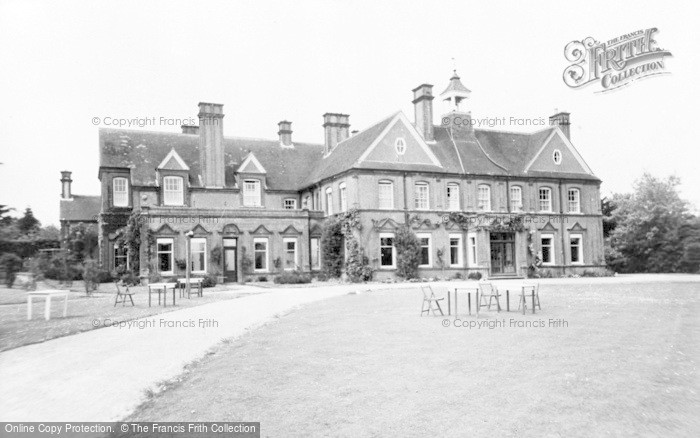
251 193
290 204
120 192
173 193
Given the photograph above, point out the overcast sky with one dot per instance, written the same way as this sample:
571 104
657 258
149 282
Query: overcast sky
65 63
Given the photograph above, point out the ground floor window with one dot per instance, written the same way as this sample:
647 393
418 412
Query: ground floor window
290 254
387 253
315 253
260 254
425 250
455 250
576 248
471 238
164 255
198 255
547 245
121 256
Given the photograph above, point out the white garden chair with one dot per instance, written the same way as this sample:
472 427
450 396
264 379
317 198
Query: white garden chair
429 298
490 291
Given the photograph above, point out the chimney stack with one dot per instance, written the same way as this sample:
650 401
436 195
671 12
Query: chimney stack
190 129
65 184
423 104
211 144
285 133
561 119
337 129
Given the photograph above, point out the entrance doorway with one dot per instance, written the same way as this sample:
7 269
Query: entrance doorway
502 253
230 260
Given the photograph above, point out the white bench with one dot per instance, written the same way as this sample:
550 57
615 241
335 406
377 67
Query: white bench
48 294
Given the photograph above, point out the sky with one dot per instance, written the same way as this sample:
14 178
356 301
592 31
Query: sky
68 64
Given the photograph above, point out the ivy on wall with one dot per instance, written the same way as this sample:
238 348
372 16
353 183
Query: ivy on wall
337 238
407 253
130 237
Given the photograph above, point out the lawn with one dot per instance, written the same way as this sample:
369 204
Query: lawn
83 311
368 365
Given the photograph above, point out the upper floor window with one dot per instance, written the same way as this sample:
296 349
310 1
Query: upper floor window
484 198
574 198
516 198
251 193
421 196
453 197
290 204
546 199
329 201
120 192
173 191
342 192
556 156
386 195
400 145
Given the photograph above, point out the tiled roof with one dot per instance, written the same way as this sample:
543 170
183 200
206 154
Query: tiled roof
81 208
456 85
142 151
483 152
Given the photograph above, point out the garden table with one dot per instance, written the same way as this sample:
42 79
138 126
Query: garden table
518 287
161 288
48 294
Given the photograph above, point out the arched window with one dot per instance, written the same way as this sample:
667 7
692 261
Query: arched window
342 192
422 196
173 190
574 198
484 197
516 198
120 192
386 195
545 199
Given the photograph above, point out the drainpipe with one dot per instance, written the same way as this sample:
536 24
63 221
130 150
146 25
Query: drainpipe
308 236
405 204
561 227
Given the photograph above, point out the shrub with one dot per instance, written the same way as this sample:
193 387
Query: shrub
357 265
130 279
457 276
262 278
209 281
293 277
599 273
407 253
11 264
474 276
332 248
104 276
63 267
91 272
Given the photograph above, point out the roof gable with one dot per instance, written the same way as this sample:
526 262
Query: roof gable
251 165
383 148
571 160
173 161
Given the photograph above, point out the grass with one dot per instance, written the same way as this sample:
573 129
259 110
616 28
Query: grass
16 331
368 365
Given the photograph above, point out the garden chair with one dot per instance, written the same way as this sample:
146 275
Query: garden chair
122 296
490 291
429 298
527 292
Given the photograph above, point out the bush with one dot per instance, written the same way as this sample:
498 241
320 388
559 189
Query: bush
91 272
293 277
605 273
457 276
104 276
130 279
63 267
262 278
209 281
332 248
407 253
11 264
475 276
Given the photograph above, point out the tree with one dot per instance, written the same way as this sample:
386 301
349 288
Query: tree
82 241
648 234
28 224
5 218
407 253
11 264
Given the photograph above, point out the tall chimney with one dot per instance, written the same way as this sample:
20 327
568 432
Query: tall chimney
285 133
211 144
65 184
561 119
337 129
423 105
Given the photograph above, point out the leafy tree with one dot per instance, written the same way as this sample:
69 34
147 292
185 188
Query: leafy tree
648 235
5 218
332 247
407 253
82 241
49 232
28 224
11 264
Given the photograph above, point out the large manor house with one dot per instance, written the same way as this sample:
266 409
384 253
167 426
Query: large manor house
269 199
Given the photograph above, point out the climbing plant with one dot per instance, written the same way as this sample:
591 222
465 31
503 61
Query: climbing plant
130 237
341 248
